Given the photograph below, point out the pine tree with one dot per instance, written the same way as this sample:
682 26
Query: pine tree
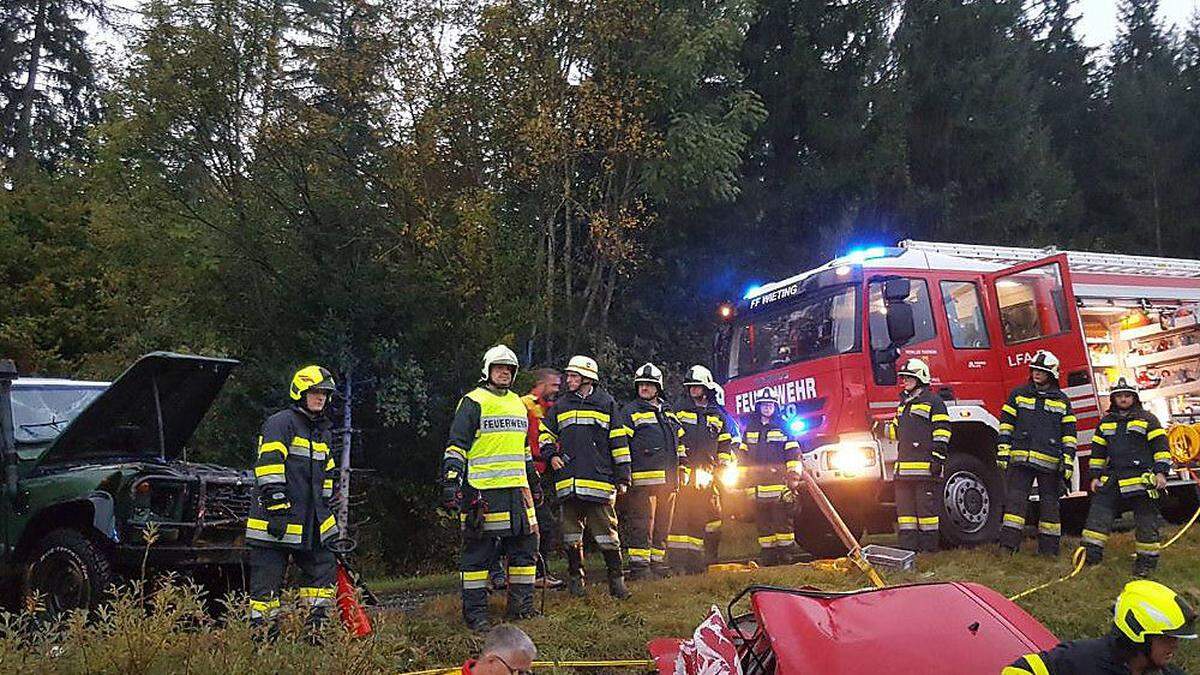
47 78
979 157
1142 162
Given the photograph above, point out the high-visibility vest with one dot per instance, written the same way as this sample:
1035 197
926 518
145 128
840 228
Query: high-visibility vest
497 457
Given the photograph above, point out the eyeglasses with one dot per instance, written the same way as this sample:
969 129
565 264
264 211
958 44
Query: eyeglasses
511 670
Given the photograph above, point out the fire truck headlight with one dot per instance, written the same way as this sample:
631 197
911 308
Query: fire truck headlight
851 460
704 478
730 475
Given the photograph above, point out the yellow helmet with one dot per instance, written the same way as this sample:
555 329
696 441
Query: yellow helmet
311 377
1147 608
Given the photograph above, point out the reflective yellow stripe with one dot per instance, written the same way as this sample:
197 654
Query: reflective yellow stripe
1014 518
261 525
620 432
619 453
1027 400
497 455
1108 426
1069 439
1155 433
649 474
1008 409
273 446
1162 456
1140 424
312 592
1098 462
1005 426
941 433
280 507
1099 440
940 417
268 470
328 523
1057 405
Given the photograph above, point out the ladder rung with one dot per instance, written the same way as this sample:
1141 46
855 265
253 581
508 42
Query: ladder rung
1084 261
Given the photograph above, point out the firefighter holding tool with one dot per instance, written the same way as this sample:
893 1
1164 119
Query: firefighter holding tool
1129 462
489 479
708 435
1036 442
659 465
772 459
291 519
590 458
921 430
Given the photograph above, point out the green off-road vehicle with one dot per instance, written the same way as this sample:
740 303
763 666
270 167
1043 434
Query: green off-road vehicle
97 488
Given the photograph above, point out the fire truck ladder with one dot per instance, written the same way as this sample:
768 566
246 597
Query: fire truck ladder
1082 261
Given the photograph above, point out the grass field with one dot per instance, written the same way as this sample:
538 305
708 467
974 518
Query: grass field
177 636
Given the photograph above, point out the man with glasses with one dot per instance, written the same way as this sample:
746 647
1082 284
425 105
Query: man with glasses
507 650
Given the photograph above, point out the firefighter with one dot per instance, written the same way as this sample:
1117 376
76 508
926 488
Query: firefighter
659 465
772 459
921 430
1129 462
590 457
708 436
1036 442
1149 620
291 519
489 479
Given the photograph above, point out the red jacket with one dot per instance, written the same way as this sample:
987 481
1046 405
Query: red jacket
536 412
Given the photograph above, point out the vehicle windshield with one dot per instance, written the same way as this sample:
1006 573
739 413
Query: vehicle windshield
824 323
41 412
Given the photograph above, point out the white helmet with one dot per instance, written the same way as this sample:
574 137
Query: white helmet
766 396
700 376
718 394
585 366
499 355
1044 360
916 369
648 372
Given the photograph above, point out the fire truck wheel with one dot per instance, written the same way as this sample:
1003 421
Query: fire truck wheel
973 499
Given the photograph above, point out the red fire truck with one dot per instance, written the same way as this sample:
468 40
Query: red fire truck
827 342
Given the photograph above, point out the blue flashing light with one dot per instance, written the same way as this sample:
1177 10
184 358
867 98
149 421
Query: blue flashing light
858 255
752 291
797 425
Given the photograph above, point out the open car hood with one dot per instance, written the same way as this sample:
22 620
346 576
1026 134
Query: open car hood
152 409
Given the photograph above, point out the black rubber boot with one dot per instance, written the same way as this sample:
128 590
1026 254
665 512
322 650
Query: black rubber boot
661 571
575 573
1094 555
1144 565
264 631
479 624
712 547
1048 546
617 588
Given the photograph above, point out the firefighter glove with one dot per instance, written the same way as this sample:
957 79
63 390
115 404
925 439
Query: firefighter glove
535 490
451 495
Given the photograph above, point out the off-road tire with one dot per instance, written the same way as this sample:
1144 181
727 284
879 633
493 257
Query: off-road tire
66 570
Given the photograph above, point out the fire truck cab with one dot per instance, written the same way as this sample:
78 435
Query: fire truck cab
828 342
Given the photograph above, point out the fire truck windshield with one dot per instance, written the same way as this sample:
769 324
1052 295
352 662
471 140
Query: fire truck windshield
823 323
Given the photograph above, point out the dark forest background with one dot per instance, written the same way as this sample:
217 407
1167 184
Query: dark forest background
388 187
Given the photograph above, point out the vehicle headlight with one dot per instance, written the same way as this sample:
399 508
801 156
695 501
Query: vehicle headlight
730 475
851 460
704 478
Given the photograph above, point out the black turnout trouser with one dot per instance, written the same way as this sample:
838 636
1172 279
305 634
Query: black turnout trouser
318 572
1106 505
599 519
695 536
917 510
549 539
1019 482
648 511
478 552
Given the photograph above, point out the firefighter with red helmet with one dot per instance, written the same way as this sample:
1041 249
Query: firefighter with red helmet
1149 620
291 519
659 463
1129 462
590 457
772 460
921 430
488 477
708 435
1036 443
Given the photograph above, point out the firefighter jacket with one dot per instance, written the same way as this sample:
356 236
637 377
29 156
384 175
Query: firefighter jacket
921 430
294 473
655 440
769 455
595 455
1098 656
1037 429
535 413
708 434
1127 445
488 454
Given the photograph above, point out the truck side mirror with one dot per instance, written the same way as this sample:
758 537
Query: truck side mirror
900 324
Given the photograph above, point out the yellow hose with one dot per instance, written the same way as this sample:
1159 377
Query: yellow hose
1077 558
1184 442
647 664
